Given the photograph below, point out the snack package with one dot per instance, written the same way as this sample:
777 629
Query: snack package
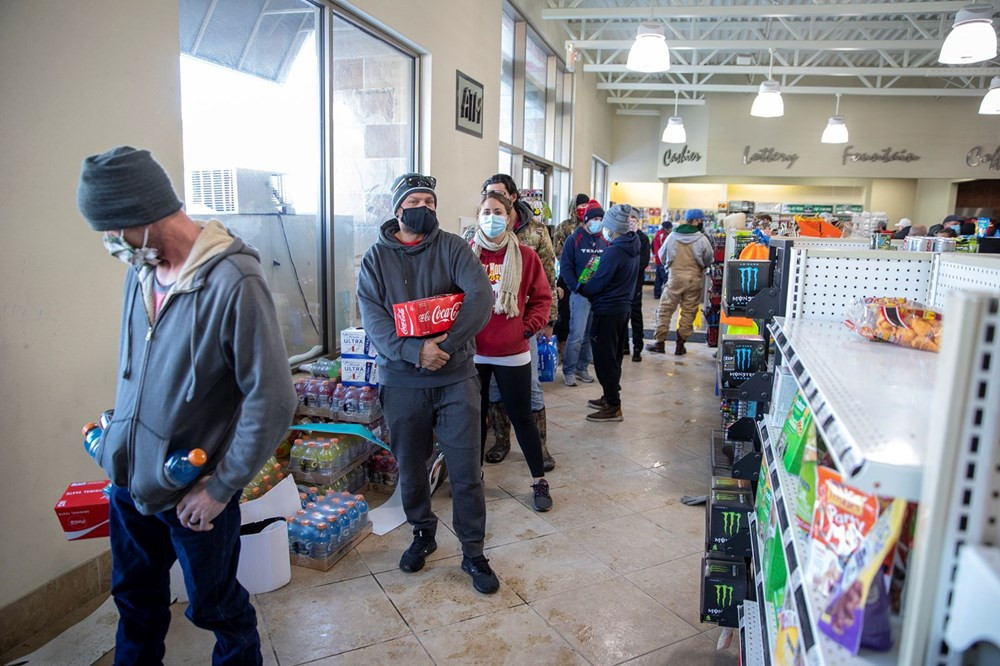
896 320
842 516
805 496
796 431
775 572
787 648
858 613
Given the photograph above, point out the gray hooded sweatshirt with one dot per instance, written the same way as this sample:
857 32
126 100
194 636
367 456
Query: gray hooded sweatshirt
391 272
209 372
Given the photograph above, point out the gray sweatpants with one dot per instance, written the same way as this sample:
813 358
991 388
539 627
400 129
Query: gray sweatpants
451 412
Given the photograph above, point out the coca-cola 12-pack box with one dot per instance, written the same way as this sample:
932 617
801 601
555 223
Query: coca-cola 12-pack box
427 316
83 510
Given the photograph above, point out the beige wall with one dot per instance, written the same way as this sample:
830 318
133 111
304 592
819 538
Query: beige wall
77 78
637 148
645 195
894 196
934 200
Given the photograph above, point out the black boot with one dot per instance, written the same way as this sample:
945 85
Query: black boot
548 462
679 350
501 431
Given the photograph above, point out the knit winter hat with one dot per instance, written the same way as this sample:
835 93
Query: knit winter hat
582 200
408 184
593 210
616 219
667 225
124 187
694 214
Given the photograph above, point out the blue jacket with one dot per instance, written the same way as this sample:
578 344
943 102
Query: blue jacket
612 286
578 250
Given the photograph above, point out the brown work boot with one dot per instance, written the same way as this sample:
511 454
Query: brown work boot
548 462
501 430
607 413
657 347
680 350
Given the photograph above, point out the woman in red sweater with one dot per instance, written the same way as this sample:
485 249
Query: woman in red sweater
521 302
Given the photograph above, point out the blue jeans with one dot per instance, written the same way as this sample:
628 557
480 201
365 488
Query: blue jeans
537 399
143 548
577 355
659 281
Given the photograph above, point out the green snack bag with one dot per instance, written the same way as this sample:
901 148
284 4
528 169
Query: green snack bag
775 573
805 498
797 425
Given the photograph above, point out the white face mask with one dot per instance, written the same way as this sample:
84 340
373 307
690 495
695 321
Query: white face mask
117 246
607 234
492 225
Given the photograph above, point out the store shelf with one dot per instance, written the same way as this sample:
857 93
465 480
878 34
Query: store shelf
756 389
820 650
765 613
870 402
752 650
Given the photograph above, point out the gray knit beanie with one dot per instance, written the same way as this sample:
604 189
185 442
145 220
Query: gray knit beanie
616 218
409 183
123 188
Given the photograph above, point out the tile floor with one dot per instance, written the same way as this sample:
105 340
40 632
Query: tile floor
609 576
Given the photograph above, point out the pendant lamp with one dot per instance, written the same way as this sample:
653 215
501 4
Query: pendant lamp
649 52
991 102
674 132
972 38
768 103
836 127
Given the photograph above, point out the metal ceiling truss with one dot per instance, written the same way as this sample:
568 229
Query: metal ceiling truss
853 47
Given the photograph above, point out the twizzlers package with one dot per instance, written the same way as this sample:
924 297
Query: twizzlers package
426 316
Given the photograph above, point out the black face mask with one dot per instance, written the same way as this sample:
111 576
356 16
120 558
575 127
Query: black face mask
420 220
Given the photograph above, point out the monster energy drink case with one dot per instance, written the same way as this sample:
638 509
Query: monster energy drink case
742 356
728 530
723 589
729 483
744 278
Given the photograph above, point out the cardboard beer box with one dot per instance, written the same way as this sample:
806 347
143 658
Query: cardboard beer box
83 510
744 278
426 316
358 372
742 356
723 589
728 517
354 343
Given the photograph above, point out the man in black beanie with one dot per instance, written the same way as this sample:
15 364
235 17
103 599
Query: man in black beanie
202 364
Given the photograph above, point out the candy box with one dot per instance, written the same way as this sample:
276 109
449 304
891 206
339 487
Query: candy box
83 510
723 588
426 316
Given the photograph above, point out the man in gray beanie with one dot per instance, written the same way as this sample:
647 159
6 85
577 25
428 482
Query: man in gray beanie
610 290
202 364
430 385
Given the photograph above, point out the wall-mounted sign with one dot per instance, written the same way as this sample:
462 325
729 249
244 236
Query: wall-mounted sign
845 209
768 154
680 157
884 155
806 209
468 105
977 156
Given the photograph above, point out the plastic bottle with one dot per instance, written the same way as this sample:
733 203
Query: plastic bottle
353 513
306 535
336 537
92 434
326 460
366 401
300 390
183 467
295 459
350 404
312 393
362 505
310 458
324 394
293 534
345 519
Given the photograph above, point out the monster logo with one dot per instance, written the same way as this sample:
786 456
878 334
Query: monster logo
748 278
724 595
742 357
731 521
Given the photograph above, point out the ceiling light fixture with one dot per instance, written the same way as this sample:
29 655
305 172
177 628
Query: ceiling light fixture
972 38
649 52
991 102
674 132
836 127
768 103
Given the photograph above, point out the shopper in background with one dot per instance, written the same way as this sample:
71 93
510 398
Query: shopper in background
903 228
202 365
640 281
660 279
569 225
563 231
610 291
686 254
582 249
952 221
535 235
918 230
947 232
521 304
429 386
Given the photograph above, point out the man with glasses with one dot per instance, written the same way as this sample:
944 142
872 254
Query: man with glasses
430 386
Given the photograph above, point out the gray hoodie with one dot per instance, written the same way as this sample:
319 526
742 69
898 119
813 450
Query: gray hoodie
391 273
210 372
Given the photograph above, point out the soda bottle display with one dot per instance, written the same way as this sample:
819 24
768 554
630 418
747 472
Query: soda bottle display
92 434
183 467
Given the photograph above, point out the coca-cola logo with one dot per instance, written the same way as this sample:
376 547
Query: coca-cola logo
77 522
441 315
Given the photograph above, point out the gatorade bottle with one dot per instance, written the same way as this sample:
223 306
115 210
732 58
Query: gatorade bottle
92 434
306 532
350 405
353 513
366 400
293 534
312 393
346 528
310 459
362 505
326 460
337 398
320 547
323 394
336 538
295 460
183 467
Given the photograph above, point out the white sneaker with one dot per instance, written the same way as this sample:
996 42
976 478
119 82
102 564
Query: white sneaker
569 380
584 377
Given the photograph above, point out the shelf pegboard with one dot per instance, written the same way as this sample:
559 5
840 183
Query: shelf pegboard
959 271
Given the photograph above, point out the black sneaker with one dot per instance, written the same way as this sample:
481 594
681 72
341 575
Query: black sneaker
637 355
597 404
483 578
415 556
542 501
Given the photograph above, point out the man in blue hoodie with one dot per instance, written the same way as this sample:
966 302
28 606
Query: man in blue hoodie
686 255
202 365
430 386
581 255
610 290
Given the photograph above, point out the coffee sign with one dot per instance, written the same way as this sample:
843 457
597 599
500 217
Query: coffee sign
680 157
977 157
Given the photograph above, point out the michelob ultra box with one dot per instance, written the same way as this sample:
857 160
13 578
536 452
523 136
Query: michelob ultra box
83 510
728 517
358 372
723 589
744 278
742 356
354 343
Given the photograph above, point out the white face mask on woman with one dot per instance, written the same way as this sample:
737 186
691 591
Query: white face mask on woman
492 225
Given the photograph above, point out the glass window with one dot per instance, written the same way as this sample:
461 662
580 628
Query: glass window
252 136
535 74
507 80
599 181
506 163
373 129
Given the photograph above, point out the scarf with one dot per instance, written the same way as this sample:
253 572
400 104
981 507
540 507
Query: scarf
510 272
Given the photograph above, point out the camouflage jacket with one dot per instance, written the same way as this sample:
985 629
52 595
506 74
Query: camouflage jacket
563 231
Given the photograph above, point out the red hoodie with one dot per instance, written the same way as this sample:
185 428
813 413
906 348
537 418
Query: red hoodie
503 336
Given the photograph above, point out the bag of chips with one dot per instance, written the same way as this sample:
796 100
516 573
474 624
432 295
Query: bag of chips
896 320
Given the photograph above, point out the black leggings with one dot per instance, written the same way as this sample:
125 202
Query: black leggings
514 383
